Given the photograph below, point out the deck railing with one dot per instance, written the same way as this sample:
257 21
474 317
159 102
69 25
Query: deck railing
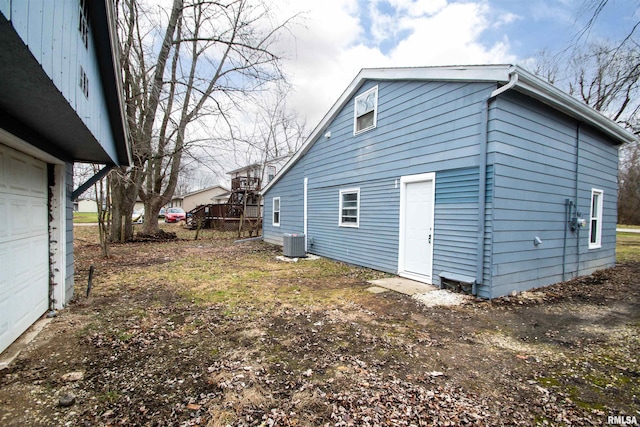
248 183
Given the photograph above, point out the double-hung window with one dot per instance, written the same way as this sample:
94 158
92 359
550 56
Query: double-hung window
350 207
276 212
366 111
595 223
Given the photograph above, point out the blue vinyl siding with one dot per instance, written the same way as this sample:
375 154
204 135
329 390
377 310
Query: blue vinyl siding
437 127
422 127
290 191
69 233
50 30
375 242
534 152
598 168
456 222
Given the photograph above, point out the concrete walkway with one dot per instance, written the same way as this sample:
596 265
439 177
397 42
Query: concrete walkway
628 230
402 285
11 352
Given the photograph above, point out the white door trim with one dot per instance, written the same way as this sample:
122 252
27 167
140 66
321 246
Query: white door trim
431 176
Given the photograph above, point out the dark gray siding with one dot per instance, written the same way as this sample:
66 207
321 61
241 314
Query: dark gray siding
69 233
422 127
534 153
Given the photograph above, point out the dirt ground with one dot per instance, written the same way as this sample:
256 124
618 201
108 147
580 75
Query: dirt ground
212 333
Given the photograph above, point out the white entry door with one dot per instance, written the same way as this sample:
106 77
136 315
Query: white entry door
415 258
24 243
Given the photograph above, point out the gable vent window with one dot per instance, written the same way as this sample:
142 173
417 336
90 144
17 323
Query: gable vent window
83 25
84 82
366 111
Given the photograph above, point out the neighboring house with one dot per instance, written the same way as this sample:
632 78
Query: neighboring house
85 205
265 171
139 204
203 197
61 102
176 202
476 174
221 198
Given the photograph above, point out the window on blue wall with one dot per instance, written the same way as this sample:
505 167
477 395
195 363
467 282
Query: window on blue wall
83 25
366 111
276 212
83 82
350 207
595 224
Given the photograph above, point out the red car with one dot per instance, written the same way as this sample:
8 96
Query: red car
174 215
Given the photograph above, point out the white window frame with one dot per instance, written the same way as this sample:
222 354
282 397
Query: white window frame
350 224
597 242
271 173
364 95
274 211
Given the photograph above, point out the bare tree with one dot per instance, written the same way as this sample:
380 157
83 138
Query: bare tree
212 55
606 76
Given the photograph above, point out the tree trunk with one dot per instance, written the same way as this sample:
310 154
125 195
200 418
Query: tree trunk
124 192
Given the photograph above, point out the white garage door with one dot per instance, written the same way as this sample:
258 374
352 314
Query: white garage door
24 263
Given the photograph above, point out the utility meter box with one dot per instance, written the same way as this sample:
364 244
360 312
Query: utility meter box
293 245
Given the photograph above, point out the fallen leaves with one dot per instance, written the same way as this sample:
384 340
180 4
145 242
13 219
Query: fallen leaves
262 344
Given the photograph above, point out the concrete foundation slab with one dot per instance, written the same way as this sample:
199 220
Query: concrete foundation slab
402 285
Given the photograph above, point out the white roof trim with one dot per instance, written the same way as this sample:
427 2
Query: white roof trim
527 83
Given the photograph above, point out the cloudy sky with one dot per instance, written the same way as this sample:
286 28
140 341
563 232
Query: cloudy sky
333 39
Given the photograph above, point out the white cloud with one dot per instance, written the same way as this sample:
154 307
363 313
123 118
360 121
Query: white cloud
330 47
450 38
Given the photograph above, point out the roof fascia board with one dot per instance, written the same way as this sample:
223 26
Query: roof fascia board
497 73
103 24
538 89
355 84
202 190
527 83
472 73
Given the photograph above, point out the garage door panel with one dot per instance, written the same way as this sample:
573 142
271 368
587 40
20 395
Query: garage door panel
38 180
24 175
18 218
4 320
24 243
3 169
39 218
4 231
19 181
24 217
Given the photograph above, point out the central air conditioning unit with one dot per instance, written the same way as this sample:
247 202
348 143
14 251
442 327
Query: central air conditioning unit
293 245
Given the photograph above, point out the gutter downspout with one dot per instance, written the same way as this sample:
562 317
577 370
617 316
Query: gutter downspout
578 128
484 142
